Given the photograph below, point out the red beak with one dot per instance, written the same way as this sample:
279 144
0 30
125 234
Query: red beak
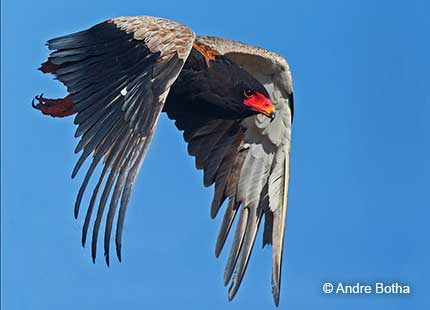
260 103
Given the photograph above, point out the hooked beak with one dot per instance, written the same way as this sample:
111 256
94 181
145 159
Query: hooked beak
261 104
270 113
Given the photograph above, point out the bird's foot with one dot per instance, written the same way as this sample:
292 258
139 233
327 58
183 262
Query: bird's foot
54 107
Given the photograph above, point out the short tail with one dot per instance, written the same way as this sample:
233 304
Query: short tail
54 107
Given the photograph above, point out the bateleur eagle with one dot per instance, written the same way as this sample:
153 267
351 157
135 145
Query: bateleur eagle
233 102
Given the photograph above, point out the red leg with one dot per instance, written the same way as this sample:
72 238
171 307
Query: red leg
54 107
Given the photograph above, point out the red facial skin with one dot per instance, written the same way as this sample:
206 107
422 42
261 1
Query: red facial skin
260 103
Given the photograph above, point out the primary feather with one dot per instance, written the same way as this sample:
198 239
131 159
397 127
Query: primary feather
122 73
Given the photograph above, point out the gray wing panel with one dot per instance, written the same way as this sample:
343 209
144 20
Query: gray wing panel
262 187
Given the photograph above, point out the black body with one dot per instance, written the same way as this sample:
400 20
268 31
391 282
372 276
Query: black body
214 90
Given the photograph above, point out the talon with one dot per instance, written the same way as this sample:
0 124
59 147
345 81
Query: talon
39 97
54 107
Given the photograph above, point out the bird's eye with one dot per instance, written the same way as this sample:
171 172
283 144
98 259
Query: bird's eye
248 93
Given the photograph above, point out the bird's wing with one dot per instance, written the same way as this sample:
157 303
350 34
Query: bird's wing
249 162
118 74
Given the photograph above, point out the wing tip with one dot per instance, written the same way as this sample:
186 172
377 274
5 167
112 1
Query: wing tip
118 253
217 251
107 259
275 292
83 239
232 291
76 211
230 296
276 283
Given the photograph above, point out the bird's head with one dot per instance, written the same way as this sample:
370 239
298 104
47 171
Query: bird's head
241 95
258 101
250 96
222 90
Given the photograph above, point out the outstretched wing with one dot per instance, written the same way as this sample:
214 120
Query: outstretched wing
118 74
248 160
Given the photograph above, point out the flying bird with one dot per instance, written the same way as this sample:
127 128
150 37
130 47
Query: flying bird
233 102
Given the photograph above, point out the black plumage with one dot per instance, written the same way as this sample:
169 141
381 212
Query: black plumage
120 75
116 114
210 91
104 116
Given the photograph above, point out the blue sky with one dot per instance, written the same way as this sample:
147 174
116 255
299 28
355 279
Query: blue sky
360 169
